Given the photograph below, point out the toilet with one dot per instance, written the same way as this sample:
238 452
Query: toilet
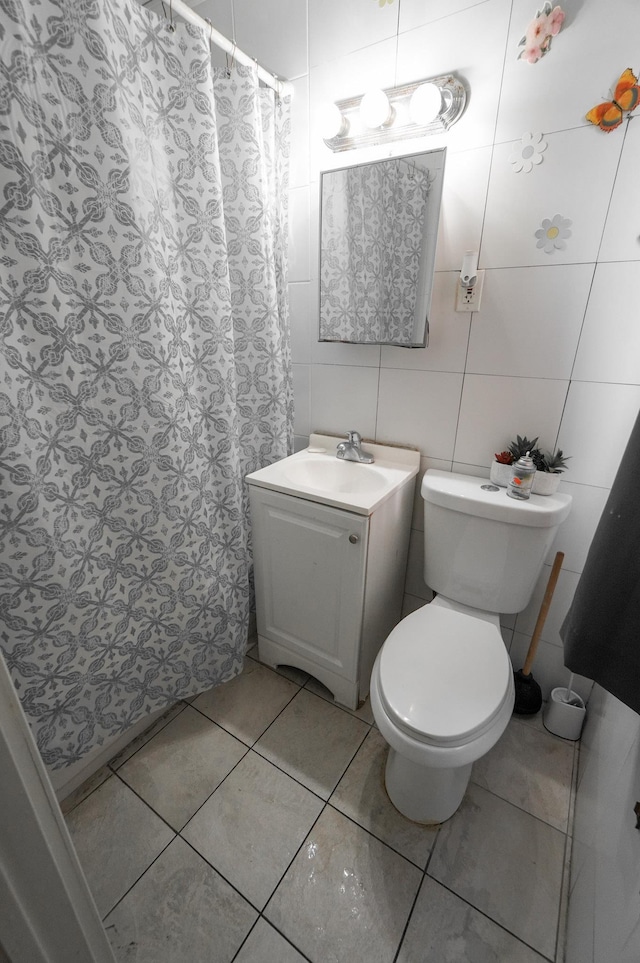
442 687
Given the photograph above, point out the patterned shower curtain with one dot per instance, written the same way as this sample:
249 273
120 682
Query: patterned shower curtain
144 360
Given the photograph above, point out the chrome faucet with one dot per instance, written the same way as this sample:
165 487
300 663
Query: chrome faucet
350 450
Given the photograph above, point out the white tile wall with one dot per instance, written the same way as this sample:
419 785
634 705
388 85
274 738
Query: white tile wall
301 319
337 28
494 410
278 29
299 160
464 197
621 240
565 587
598 419
302 394
299 262
344 398
611 320
530 321
554 350
562 184
574 536
415 13
471 44
419 408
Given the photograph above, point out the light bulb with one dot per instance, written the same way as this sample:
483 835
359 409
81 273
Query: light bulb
425 104
375 108
332 123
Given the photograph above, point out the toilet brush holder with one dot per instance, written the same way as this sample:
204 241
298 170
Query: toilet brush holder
564 714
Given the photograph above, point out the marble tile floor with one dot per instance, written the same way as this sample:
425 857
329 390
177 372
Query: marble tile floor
252 825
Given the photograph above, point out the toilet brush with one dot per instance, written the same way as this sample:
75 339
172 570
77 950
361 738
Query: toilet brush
528 693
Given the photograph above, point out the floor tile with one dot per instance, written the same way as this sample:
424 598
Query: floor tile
346 896
76 797
313 741
531 769
248 704
144 737
265 945
361 795
445 929
506 863
363 711
252 826
180 910
116 836
181 766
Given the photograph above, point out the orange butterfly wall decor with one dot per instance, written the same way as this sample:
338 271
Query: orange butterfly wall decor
626 97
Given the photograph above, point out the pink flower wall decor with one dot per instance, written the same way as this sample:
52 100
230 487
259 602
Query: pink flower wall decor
537 39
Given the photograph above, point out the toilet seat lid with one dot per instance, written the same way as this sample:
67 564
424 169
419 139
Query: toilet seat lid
444 675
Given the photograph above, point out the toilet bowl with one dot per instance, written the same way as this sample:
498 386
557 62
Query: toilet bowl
442 694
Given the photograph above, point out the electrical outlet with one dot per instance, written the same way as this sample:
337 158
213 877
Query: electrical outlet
468 299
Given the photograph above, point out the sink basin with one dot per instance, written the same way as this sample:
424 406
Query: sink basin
317 475
334 476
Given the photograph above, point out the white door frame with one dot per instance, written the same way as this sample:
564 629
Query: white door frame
48 914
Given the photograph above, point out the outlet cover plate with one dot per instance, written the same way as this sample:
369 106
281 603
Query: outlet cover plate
468 299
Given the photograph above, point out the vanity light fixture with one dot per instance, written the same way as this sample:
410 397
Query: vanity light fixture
424 107
332 122
375 110
425 104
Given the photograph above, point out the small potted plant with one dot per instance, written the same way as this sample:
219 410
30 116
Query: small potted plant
501 466
548 465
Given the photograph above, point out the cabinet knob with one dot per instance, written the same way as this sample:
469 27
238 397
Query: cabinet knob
354 539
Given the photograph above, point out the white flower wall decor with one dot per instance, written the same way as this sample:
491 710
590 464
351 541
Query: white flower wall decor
553 234
526 152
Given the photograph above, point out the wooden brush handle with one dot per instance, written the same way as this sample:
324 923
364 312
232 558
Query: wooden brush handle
542 614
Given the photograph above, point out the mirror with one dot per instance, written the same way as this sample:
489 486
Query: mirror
378 229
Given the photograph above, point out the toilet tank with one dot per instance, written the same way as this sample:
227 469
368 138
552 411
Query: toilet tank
482 548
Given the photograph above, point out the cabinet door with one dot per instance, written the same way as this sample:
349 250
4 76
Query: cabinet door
309 573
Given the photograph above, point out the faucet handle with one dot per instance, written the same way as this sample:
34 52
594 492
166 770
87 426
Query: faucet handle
354 438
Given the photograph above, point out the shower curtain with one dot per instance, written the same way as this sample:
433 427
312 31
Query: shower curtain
145 361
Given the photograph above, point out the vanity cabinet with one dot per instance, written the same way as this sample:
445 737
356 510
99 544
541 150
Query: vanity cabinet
329 583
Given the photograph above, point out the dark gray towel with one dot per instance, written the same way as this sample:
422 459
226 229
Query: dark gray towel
601 632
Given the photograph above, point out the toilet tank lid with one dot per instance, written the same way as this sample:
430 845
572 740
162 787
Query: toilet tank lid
469 495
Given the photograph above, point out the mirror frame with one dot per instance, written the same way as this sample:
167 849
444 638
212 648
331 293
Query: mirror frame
430 232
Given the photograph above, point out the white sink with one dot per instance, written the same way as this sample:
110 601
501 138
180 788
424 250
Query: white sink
317 475
332 475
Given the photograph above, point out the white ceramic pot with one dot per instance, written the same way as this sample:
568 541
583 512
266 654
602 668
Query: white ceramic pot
546 482
500 474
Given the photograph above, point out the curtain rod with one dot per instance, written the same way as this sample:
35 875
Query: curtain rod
281 87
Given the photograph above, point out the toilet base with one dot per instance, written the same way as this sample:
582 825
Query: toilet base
424 794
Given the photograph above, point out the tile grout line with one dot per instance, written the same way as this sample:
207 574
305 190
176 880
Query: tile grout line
521 809
490 918
563 918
